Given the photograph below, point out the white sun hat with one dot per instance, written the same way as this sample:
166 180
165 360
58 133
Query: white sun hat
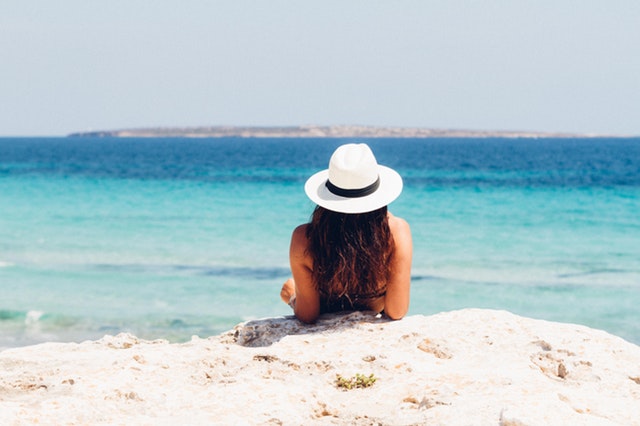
354 182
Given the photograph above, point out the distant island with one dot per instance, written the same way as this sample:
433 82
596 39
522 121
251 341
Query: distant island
313 131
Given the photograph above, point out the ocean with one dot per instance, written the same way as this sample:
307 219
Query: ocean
174 237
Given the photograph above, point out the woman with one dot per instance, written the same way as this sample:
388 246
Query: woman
354 254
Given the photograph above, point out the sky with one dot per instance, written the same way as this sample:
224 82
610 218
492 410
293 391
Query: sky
539 65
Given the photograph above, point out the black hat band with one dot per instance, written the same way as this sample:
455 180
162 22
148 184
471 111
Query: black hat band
353 193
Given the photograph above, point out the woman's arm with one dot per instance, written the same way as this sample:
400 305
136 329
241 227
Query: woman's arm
396 302
305 298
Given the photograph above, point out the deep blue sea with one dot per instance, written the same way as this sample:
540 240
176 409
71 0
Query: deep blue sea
169 238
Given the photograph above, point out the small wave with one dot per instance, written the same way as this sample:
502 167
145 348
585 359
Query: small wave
33 317
6 315
259 273
28 317
5 264
593 272
218 271
426 278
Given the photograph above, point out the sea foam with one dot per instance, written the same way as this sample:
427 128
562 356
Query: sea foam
33 317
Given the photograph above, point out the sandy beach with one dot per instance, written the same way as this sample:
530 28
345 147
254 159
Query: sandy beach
461 367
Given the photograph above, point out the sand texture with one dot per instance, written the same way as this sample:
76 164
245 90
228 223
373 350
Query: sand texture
476 367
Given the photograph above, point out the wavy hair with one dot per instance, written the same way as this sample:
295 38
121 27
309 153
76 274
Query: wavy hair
351 252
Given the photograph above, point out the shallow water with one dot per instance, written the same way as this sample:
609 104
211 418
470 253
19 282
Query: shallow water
168 238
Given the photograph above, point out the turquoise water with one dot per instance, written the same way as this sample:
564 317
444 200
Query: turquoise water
169 238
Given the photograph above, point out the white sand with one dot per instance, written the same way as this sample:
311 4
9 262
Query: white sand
476 367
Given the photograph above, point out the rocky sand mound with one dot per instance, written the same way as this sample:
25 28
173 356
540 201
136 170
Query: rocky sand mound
463 367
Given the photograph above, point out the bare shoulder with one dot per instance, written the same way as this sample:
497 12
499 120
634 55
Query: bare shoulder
300 234
401 233
399 227
299 242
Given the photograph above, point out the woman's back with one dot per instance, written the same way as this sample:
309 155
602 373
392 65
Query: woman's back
353 255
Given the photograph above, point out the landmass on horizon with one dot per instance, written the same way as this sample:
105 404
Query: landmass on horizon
317 131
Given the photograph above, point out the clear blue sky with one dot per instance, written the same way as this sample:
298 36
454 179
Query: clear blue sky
548 65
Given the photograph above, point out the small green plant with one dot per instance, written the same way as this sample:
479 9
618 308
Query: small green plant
357 381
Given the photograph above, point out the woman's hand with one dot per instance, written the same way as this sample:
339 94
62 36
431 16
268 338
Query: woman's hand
288 291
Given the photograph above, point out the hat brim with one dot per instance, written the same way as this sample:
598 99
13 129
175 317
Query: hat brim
389 189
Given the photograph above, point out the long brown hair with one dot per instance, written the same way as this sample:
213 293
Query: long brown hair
351 252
